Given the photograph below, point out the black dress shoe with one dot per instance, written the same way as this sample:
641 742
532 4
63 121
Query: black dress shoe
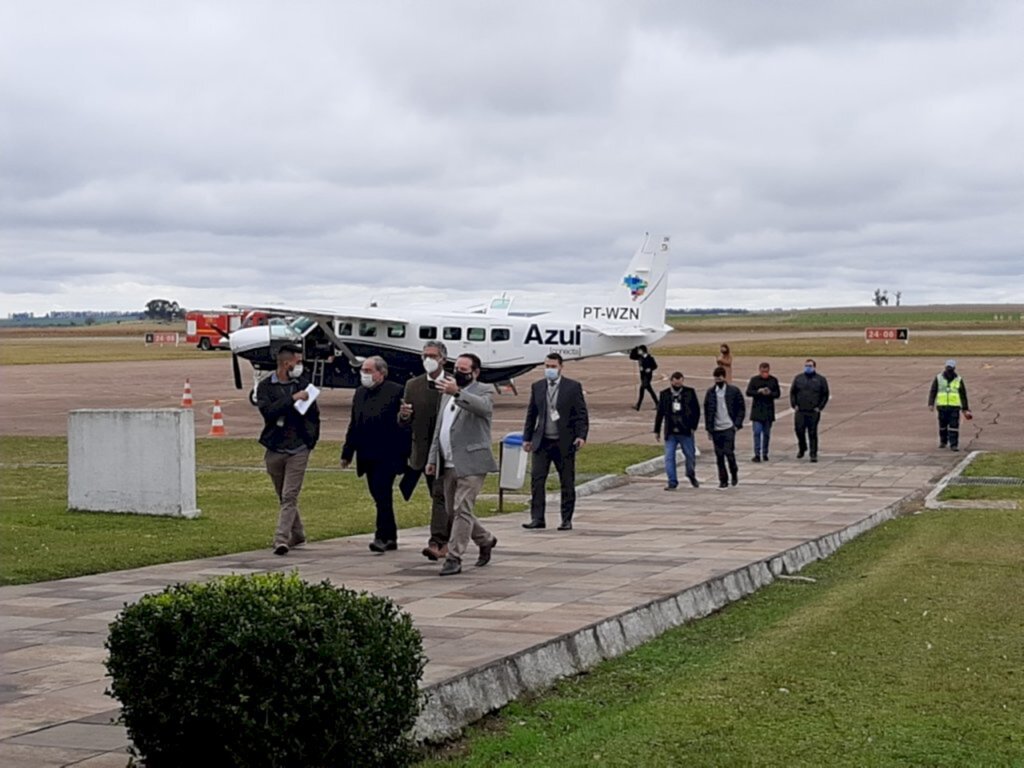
565 526
451 567
380 546
735 479
766 457
756 459
693 481
534 524
800 454
485 552
671 487
814 459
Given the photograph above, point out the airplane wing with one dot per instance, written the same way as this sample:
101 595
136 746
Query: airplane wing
360 313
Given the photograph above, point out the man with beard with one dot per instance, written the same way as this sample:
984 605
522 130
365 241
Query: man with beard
679 410
724 409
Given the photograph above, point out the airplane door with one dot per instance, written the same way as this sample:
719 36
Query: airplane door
499 344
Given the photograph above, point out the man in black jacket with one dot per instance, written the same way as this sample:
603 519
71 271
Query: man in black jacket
679 410
288 435
763 390
648 365
556 428
724 409
379 443
808 396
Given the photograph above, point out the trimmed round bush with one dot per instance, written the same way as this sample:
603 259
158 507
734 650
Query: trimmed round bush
266 670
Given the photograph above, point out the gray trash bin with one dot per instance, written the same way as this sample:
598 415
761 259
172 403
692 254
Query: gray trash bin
513 462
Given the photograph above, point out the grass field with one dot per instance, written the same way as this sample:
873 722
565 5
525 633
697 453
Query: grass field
991 465
40 539
904 651
939 318
941 346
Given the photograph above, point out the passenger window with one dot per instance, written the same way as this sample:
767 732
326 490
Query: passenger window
452 334
344 329
396 331
428 332
367 329
500 334
476 334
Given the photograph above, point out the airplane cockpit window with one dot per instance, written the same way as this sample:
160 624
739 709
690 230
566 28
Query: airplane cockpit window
476 334
283 332
452 333
302 324
344 329
367 329
428 332
500 334
396 331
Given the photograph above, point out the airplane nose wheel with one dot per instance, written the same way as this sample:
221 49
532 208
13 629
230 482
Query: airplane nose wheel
252 396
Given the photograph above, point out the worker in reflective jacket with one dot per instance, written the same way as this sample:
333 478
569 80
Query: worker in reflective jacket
949 395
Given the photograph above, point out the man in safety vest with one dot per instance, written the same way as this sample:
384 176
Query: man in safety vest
949 395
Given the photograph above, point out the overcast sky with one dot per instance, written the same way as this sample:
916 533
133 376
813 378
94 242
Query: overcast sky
325 153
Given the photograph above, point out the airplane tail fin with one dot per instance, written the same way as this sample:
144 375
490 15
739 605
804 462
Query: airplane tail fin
638 299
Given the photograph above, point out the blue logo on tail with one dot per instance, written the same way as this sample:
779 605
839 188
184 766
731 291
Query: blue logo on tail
637 286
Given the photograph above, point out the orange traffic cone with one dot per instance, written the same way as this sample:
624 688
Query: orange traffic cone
186 395
217 425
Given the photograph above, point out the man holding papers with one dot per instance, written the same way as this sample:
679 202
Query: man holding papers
291 419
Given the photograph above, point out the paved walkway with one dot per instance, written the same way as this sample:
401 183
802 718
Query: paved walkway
634 546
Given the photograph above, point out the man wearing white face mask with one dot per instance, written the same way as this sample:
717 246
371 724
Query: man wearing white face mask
379 443
556 428
419 415
288 436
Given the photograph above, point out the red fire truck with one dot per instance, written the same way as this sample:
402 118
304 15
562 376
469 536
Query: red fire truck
210 329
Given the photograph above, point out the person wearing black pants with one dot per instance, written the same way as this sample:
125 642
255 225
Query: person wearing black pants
379 443
724 410
557 424
808 397
648 365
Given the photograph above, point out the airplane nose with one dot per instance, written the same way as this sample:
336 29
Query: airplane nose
248 339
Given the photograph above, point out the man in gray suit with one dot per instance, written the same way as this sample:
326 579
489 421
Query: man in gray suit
461 456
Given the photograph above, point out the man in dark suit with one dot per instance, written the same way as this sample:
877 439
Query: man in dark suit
724 410
556 428
419 414
379 443
679 410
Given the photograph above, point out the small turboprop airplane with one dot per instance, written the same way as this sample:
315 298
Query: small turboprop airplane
509 342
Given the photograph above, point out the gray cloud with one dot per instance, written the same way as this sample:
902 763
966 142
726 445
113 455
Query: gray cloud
800 153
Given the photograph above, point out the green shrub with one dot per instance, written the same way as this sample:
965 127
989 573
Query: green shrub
266 670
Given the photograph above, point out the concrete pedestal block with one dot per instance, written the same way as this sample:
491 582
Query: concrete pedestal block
140 461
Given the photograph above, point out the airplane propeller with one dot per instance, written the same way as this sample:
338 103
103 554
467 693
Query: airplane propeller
237 371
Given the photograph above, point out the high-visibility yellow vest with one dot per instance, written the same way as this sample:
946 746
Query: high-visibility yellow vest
949 392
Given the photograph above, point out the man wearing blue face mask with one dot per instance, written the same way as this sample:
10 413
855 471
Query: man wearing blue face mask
289 436
556 428
808 397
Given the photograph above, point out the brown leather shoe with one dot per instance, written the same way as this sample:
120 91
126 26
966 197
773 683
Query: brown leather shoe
433 553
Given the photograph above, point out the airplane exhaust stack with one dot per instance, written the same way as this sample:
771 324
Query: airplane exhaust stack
217 423
186 395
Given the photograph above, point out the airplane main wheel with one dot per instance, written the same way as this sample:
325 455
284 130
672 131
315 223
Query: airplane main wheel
204 344
252 396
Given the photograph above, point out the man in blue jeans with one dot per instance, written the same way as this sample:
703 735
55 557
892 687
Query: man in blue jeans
679 411
763 390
